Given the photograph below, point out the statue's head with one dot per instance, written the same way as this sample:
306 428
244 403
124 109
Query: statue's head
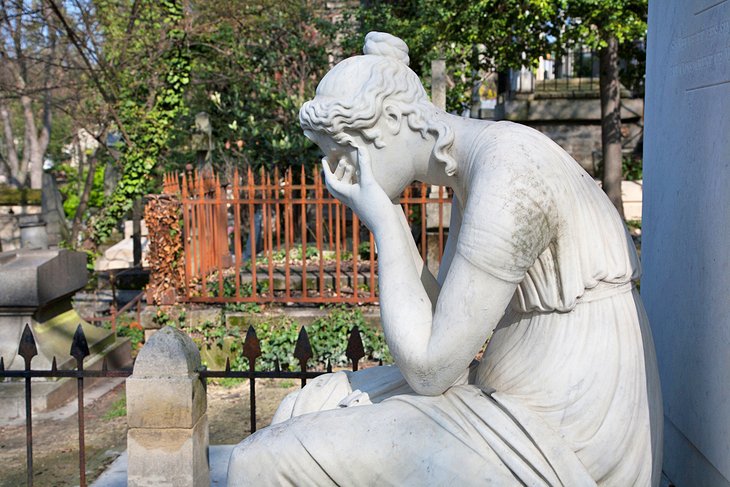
353 98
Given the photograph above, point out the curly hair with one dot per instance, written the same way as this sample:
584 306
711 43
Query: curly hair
389 81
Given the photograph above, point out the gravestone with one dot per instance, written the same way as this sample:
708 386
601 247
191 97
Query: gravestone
686 233
33 234
53 214
167 440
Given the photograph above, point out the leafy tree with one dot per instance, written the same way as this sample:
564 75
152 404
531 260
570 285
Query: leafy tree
255 63
136 56
606 26
150 65
501 34
471 36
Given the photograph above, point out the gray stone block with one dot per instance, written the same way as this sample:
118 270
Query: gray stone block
169 456
147 319
196 317
165 390
168 353
174 402
33 278
168 427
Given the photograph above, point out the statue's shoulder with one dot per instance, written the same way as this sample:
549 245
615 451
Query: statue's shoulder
506 132
507 146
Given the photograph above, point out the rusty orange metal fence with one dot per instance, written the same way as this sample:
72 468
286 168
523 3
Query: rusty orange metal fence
278 236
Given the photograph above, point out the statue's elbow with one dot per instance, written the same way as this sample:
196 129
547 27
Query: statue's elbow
428 385
428 390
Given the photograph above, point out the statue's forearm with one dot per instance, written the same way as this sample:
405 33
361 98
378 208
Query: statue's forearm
406 309
428 280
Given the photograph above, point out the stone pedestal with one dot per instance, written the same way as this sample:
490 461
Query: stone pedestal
167 439
53 214
33 285
36 288
33 234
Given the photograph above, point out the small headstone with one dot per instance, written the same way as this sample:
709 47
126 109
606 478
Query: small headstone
53 213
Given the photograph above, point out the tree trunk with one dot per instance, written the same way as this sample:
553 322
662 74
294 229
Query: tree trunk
13 162
137 233
83 200
611 123
35 144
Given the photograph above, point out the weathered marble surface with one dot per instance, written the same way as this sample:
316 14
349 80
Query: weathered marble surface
567 392
29 281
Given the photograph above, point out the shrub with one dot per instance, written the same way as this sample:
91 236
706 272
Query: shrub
328 337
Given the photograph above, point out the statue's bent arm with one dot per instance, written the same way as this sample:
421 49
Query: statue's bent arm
450 248
430 284
433 349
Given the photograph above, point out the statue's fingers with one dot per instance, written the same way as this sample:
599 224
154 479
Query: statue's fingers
340 170
349 171
363 161
326 168
337 188
363 158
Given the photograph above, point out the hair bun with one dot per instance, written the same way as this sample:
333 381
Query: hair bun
387 45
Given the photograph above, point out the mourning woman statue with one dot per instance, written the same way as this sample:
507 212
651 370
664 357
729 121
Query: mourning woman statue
537 261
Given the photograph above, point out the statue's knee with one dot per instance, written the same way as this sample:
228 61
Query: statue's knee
266 457
248 462
286 408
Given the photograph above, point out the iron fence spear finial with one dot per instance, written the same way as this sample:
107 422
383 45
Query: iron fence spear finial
303 352
251 345
79 345
27 348
79 351
355 350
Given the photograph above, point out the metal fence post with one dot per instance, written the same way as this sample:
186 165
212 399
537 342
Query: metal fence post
28 350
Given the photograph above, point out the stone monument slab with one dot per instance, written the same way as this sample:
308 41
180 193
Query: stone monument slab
686 234
33 278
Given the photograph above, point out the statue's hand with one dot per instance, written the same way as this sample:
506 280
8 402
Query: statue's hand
358 189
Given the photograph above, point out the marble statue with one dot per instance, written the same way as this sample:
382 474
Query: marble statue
537 261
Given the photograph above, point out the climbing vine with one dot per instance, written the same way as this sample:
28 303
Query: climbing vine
148 119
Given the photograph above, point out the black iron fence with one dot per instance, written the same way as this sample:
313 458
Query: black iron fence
575 72
80 350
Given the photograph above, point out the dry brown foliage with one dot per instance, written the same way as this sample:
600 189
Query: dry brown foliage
167 270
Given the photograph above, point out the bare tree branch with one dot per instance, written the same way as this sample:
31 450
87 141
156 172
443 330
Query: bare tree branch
108 98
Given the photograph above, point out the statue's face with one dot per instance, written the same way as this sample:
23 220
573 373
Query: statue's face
333 152
388 163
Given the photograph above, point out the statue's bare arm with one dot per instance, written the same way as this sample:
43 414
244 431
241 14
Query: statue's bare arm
431 347
450 248
430 284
